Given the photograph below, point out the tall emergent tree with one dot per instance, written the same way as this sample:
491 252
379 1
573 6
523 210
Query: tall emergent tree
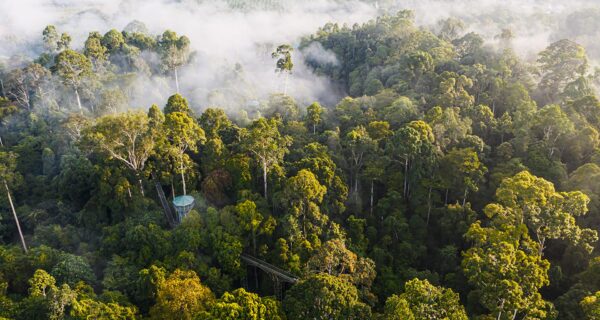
507 272
267 144
561 63
357 144
24 86
174 51
302 196
73 68
183 134
548 214
54 43
313 115
10 176
284 64
126 137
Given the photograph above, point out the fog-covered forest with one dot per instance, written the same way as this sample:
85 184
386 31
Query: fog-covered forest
279 159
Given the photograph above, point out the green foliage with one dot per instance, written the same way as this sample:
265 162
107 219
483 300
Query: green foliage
71 269
422 300
243 305
283 53
324 296
507 271
437 175
181 296
177 103
591 306
548 214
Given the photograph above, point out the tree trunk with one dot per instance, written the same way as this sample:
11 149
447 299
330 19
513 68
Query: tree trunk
446 198
314 128
356 187
176 81
372 197
542 243
78 100
405 178
182 175
465 196
254 253
500 312
265 177
304 222
172 189
12 207
141 183
2 88
285 81
1 144
428 205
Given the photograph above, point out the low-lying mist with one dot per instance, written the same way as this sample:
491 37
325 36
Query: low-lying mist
233 39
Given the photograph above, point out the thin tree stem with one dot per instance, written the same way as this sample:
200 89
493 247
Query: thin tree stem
12 207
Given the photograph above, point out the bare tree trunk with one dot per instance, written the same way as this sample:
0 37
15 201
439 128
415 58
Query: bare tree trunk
176 81
356 187
1 144
2 88
500 312
542 243
141 183
372 197
314 128
12 207
182 175
285 81
428 205
405 178
78 100
172 189
465 196
265 177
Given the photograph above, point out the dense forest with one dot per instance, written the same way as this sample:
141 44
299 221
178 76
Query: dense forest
455 180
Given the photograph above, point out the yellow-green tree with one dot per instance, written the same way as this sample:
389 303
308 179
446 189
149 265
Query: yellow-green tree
243 305
125 137
547 213
506 271
265 142
422 300
323 296
591 306
73 68
181 296
183 134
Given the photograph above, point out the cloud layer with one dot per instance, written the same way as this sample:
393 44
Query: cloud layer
228 34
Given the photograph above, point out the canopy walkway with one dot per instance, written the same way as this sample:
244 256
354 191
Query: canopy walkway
281 274
278 275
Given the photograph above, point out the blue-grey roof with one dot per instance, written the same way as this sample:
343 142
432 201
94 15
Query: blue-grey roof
182 201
